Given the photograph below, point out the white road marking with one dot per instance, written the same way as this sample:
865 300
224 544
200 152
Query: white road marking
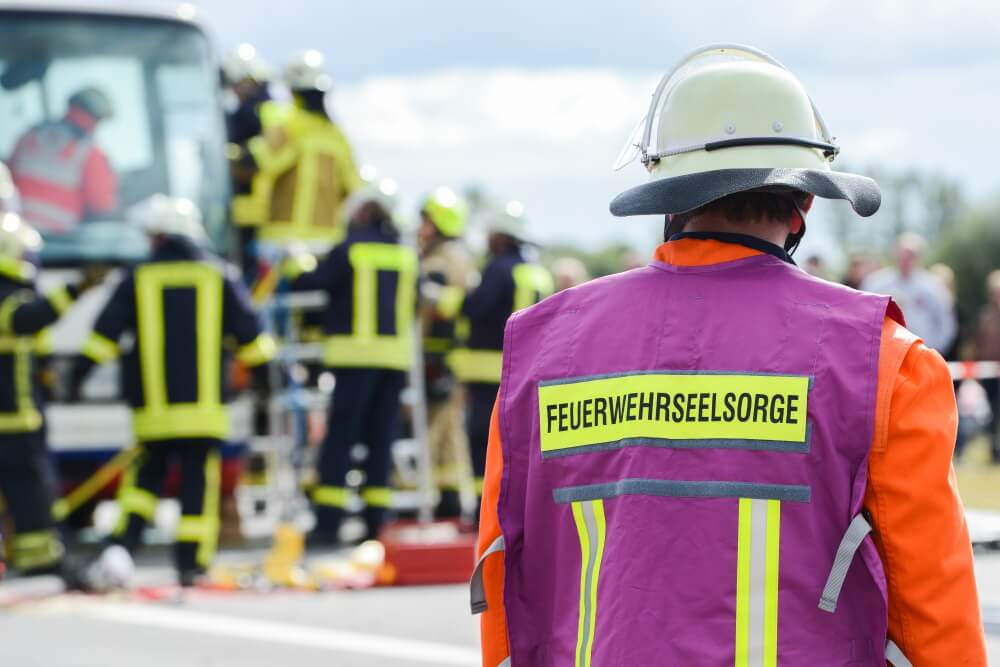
406 650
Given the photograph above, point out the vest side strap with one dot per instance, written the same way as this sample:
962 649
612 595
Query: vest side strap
477 591
895 656
849 545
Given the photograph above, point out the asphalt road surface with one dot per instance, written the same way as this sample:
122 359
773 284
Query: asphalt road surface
374 628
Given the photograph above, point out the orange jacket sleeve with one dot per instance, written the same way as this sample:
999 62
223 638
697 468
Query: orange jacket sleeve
493 622
100 185
917 515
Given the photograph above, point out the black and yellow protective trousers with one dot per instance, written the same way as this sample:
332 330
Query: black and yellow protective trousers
199 464
26 479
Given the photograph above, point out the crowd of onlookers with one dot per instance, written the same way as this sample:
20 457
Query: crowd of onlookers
927 297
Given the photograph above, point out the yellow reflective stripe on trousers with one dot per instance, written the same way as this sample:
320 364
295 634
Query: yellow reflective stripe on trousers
203 529
26 416
330 496
377 496
471 365
758 554
532 283
365 347
210 508
158 418
133 500
591 527
36 549
99 349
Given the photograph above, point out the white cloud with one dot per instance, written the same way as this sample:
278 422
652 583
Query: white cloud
548 137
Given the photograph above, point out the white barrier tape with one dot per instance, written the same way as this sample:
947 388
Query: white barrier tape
978 370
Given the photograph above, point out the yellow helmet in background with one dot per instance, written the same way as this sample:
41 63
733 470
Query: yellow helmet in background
447 211
19 247
728 119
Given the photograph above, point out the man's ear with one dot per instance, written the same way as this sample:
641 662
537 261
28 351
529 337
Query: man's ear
807 203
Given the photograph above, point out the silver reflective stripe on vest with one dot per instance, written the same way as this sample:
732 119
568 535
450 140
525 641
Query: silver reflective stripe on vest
758 555
477 592
895 656
682 489
849 546
45 157
505 663
44 213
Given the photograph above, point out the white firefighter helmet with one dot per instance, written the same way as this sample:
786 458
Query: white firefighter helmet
728 119
384 193
19 247
307 71
10 201
174 216
245 63
508 220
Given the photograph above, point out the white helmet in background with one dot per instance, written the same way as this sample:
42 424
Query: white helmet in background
508 220
19 247
384 193
307 71
10 201
244 63
173 216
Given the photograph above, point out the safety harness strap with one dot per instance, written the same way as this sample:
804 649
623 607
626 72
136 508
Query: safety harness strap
849 545
477 591
895 656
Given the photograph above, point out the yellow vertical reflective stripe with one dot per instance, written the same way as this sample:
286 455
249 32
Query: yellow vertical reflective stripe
757 559
591 528
406 296
365 285
149 307
743 582
771 583
581 633
208 327
306 188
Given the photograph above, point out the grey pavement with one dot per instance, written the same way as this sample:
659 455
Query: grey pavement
374 628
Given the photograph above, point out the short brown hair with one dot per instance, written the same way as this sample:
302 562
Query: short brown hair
746 206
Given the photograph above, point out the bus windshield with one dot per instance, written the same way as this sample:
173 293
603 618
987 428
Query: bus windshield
158 127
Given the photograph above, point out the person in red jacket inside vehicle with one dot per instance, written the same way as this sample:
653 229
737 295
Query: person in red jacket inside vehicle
63 176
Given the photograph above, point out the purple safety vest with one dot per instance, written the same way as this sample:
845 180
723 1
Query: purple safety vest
685 460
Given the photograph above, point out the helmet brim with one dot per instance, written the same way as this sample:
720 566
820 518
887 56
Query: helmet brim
680 194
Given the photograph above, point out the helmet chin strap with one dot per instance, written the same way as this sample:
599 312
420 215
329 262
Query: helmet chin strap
797 232
669 228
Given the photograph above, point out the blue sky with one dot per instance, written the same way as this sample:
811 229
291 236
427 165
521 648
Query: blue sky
534 99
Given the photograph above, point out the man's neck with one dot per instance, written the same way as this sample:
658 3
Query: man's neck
763 229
